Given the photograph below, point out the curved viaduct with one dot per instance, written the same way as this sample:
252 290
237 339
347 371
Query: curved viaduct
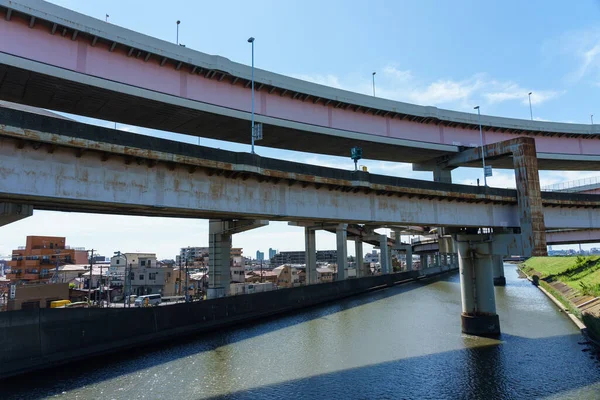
61 60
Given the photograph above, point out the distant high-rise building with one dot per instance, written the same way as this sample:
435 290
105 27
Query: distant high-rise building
272 253
260 256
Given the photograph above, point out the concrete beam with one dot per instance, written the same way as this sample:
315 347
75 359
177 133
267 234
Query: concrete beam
572 236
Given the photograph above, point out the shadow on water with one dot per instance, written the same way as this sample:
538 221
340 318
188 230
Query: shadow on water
91 371
513 369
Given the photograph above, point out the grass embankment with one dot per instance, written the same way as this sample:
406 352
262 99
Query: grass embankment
582 274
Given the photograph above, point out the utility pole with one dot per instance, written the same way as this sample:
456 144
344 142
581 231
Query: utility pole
90 281
179 284
101 284
187 292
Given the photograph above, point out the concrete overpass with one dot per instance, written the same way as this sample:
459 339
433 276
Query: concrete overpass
64 165
61 60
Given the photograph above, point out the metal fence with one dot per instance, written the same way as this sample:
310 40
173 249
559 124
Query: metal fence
573 186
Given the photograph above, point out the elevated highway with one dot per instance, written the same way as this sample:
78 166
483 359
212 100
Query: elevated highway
57 164
61 60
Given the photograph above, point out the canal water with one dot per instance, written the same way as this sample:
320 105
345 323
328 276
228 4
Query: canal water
398 343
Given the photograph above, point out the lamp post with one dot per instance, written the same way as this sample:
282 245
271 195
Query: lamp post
125 298
178 22
481 140
251 41
374 84
530 109
592 118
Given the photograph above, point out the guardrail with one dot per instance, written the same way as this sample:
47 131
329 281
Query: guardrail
572 186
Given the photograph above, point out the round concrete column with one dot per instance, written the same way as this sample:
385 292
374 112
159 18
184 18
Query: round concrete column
476 285
498 268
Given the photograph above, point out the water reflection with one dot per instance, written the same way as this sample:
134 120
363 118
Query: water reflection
402 342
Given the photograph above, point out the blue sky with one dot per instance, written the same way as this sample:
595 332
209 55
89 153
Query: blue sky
452 55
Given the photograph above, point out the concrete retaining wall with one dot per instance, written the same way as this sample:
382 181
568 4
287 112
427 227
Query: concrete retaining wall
33 339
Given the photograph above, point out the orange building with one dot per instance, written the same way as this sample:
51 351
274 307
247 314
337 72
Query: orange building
37 260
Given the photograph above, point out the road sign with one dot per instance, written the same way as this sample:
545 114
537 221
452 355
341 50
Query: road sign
13 291
258 131
488 170
356 153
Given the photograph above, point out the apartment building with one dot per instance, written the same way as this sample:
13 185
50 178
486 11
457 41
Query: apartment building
37 260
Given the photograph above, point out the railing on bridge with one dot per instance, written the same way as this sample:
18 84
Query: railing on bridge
424 240
573 186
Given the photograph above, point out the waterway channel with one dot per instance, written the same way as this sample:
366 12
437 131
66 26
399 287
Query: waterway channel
399 343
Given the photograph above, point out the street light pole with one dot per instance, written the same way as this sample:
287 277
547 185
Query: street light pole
530 109
373 84
251 41
592 118
106 19
178 22
125 298
481 140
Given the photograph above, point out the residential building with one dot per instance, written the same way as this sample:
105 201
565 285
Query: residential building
287 276
272 253
151 280
327 256
324 275
299 257
260 256
238 274
32 296
198 257
288 257
267 276
38 259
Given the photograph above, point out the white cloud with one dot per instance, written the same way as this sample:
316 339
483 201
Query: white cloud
444 91
511 91
402 85
583 48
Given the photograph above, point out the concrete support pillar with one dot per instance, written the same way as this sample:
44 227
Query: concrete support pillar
409 256
498 268
529 196
442 175
384 255
423 261
310 240
476 285
390 267
360 260
219 253
436 257
342 250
